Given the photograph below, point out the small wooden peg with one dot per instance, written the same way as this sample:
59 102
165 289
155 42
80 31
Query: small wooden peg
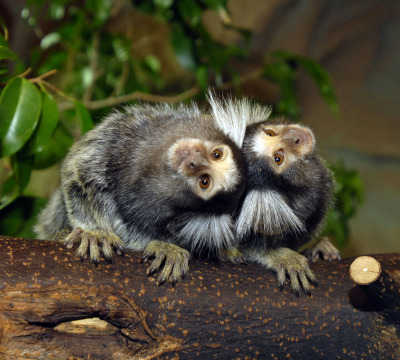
365 270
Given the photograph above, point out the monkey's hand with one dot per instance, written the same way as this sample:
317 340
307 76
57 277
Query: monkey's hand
174 258
322 249
94 244
286 261
233 255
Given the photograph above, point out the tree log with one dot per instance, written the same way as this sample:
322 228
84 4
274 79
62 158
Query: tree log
53 306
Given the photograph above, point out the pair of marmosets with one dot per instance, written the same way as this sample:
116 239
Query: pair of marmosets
174 182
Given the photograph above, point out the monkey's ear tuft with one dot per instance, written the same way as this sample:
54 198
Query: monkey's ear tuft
233 116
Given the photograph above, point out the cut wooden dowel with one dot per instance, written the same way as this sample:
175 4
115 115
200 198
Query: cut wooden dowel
365 270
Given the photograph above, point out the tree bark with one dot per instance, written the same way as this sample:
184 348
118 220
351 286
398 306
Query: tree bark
53 306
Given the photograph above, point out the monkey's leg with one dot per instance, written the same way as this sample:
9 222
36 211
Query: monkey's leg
285 261
322 249
94 243
53 222
91 214
174 258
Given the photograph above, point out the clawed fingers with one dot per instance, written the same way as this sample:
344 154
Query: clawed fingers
73 238
291 265
94 244
323 249
156 264
170 261
298 280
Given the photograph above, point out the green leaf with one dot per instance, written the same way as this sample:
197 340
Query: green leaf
100 10
216 4
322 80
85 120
191 11
48 121
153 63
122 48
9 193
57 11
6 53
22 166
19 218
183 47
56 149
165 4
284 76
317 73
20 105
202 77
50 40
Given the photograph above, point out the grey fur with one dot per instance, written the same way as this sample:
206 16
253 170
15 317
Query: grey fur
119 179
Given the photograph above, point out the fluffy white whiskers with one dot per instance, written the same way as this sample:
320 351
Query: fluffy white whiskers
208 229
266 212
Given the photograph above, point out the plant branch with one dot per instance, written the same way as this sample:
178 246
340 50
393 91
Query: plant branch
138 95
40 78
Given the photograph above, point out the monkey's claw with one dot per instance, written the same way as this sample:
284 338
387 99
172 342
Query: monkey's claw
170 261
291 264
94 244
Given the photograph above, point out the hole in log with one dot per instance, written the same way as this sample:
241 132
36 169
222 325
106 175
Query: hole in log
89 326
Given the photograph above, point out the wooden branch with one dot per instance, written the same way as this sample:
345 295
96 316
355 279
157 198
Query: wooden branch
53 306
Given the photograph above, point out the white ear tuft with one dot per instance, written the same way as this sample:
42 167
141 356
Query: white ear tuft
233 116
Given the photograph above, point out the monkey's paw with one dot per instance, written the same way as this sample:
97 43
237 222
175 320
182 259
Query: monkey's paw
324 250
174 258
286 261
94 244
61 235
233 255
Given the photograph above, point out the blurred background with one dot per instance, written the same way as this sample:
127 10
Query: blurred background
332 65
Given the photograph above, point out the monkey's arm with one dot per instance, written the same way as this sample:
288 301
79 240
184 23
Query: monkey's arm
285 261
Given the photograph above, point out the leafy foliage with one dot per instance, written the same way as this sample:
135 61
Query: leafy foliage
92 68
349 196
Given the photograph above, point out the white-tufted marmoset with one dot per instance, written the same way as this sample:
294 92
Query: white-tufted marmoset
289 191
160 179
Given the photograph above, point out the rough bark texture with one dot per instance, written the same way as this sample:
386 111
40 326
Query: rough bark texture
53 306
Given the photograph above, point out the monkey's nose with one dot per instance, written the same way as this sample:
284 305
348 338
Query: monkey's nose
196 163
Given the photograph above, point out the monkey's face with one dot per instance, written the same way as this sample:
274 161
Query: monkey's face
282 145
207 167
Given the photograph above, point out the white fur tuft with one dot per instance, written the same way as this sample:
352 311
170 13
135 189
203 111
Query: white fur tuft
266 212
232 116
214 232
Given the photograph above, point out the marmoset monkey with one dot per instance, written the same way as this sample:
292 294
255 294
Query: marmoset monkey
289 191
157 179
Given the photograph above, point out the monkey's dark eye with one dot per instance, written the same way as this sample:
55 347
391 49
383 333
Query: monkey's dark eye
270 132
217 154
205 181
278 158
